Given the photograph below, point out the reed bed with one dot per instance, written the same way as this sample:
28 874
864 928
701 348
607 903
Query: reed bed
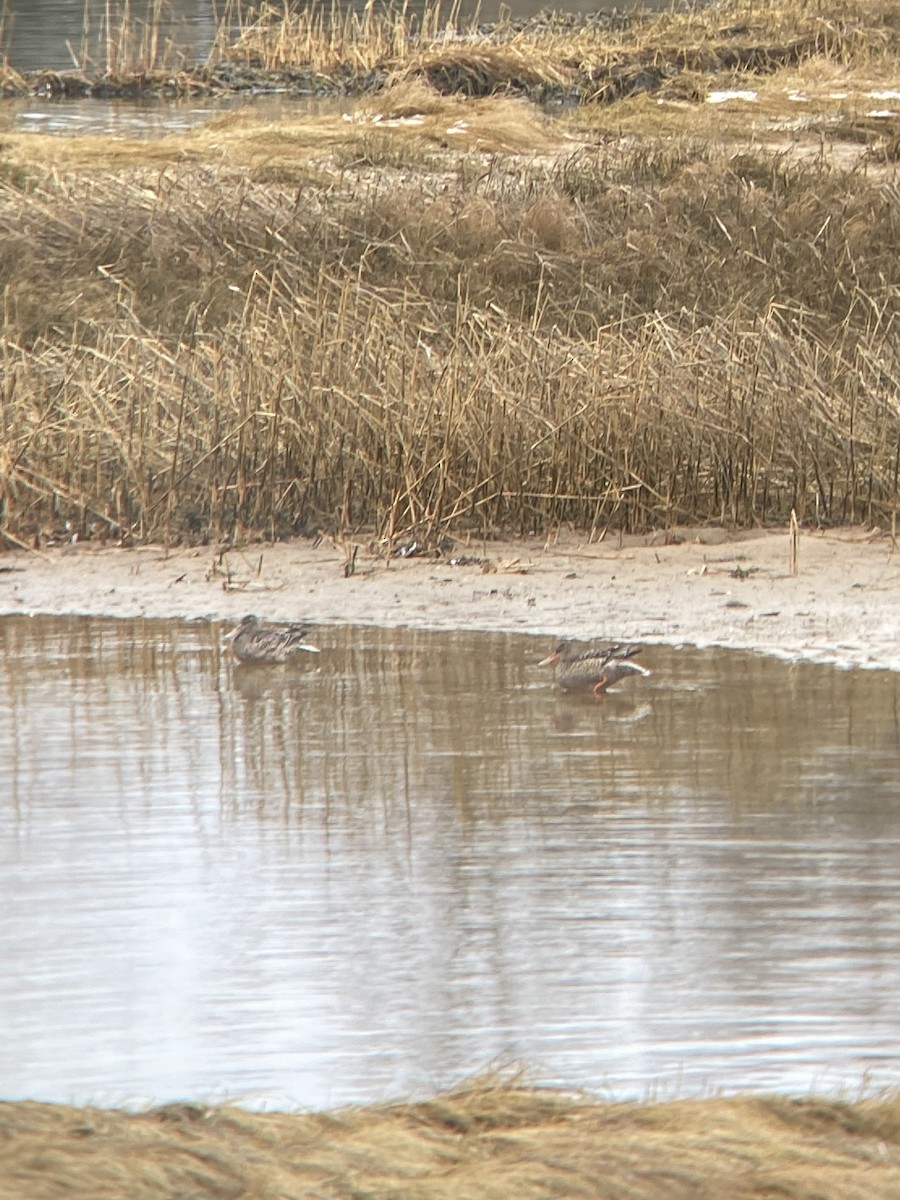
623 338
600 58
487 1139
609 51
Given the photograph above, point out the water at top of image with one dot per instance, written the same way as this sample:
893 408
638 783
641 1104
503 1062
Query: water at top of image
381 869
62 35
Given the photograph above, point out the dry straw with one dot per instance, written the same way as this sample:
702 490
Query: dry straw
200 355
392 323
488 1139
600 58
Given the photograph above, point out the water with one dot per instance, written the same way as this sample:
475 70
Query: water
58 34
149 118
293 886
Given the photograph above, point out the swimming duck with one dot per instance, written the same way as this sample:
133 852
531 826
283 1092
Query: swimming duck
254 642
592 667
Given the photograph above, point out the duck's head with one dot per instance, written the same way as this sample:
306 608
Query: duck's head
556 653
245 623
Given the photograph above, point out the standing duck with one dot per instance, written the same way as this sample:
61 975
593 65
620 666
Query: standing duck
592 668
254 642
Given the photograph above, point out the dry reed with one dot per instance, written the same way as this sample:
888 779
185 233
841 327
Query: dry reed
488 1139
731 36
626 338
321 46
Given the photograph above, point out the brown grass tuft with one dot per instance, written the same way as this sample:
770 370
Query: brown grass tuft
490 1138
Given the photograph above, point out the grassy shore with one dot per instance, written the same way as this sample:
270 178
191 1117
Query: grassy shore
444 308
487 1140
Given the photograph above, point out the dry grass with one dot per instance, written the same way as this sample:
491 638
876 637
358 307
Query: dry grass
448 311
360 328
488 1139
324 46
730 36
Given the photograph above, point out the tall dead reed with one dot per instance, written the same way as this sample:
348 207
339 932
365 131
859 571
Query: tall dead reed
598 58
734 35
602 343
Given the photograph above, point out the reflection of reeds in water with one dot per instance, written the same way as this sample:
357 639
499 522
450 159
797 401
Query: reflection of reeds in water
399 726
420 729
386 725
411 851
99 700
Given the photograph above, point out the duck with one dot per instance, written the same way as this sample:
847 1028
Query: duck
253 641
593 668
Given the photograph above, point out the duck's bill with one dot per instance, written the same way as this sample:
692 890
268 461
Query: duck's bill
551 658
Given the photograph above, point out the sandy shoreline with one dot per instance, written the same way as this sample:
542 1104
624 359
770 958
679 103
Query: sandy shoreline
710 588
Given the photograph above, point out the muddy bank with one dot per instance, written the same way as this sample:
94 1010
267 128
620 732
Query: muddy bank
703 587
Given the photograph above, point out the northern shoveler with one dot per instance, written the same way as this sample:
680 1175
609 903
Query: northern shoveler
592 668
253 642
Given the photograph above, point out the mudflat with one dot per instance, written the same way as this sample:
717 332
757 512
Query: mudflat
700 587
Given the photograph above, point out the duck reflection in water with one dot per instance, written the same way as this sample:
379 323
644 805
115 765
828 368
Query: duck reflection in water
253 641
592 669
580 713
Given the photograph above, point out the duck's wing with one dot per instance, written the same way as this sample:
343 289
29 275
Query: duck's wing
265 645
625 650
600 656
296 637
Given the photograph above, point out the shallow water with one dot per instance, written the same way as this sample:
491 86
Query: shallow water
393 864
151 118
57 34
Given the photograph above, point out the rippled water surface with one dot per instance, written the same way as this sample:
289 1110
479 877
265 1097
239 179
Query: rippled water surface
133 119
57 34
389 866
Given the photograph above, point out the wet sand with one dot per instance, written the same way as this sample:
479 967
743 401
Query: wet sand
704 588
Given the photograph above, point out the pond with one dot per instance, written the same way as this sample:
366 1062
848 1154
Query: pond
58 34
398 862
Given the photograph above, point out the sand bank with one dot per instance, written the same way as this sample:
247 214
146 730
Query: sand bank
704 588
